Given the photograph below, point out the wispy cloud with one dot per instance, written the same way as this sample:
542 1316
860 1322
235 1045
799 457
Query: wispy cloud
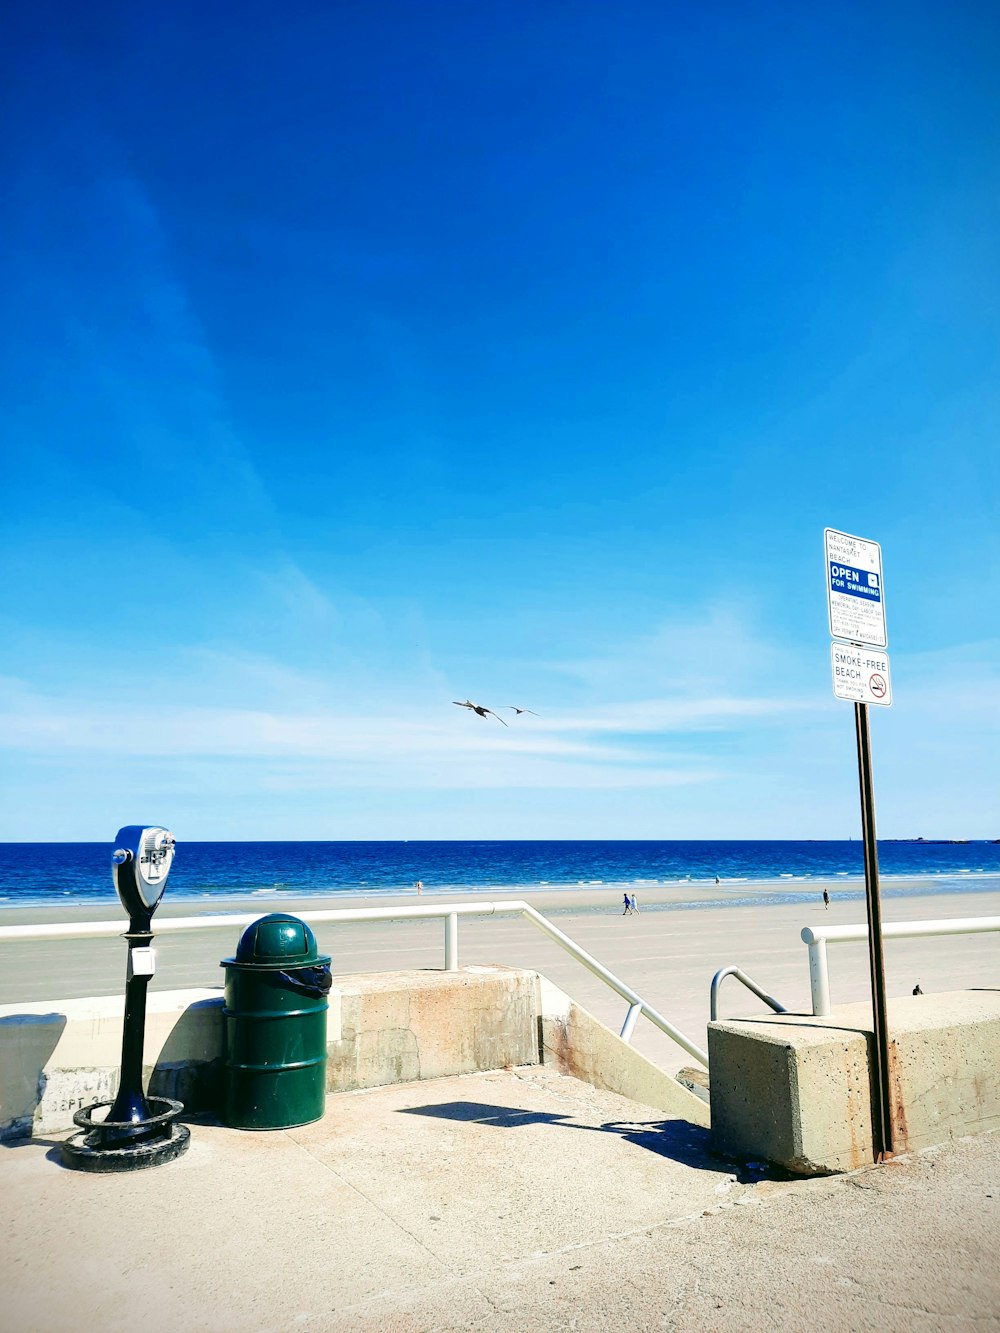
293 725
139 379
37 721
295 747
301 599
697 653
671 716
959 683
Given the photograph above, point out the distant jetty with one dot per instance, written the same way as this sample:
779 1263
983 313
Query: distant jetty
940 842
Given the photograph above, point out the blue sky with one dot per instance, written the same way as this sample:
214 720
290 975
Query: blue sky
358 358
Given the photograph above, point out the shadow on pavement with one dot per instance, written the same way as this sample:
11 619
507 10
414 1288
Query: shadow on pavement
682 1142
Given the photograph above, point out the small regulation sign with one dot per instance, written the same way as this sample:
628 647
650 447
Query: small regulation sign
861 674
854 590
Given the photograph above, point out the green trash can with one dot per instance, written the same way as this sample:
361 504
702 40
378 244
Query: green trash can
275 1012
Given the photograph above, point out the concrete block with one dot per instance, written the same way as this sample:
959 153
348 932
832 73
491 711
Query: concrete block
786 1093
944 1056
398 1027
796 1090
57 1057
27 1042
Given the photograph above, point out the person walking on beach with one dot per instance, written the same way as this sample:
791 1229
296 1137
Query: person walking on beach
419 886
628 906
635 905
826 899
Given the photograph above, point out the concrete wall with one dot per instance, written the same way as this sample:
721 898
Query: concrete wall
796 1090
382 1028
576 1043
59 1056
396 1027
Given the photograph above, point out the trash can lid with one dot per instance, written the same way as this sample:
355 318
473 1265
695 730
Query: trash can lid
277 940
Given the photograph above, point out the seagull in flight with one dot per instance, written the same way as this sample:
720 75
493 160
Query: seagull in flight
517 710
478 709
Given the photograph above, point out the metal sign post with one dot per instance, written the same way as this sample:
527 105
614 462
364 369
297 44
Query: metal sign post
882 1108
860 673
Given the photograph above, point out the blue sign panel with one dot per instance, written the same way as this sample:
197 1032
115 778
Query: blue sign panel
855 582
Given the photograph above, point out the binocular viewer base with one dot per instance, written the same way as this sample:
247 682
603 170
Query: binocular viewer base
127 1145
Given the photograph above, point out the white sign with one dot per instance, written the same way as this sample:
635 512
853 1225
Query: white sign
861 674
854 590
142 962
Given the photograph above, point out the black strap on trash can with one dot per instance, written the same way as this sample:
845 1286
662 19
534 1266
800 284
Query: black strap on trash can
314 981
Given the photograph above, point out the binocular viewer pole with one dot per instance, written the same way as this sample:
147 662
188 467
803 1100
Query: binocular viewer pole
130 1105
137 1131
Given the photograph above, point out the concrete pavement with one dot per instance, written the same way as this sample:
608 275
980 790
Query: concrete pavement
515 1200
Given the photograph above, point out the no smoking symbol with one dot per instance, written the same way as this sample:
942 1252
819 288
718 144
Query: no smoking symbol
877 685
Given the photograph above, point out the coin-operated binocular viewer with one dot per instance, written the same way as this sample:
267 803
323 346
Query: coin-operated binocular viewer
138 1130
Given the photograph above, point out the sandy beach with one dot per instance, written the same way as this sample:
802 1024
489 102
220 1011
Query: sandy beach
668 952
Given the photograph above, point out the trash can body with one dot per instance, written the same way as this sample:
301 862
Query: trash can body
275 1015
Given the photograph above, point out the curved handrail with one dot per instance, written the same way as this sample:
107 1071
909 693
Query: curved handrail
750 984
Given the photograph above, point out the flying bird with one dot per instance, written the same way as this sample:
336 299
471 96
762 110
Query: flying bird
514 708
478 709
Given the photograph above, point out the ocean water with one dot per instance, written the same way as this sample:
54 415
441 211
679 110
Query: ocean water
56 873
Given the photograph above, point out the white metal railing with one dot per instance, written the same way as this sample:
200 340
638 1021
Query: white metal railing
450 912
818 937
751 985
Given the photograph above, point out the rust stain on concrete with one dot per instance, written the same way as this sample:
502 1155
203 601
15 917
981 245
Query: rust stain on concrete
897 1103
856 1157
